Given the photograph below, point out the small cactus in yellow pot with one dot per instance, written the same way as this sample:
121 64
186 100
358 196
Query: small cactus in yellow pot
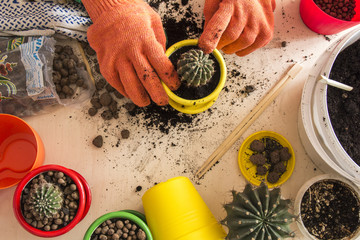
198 71
195 68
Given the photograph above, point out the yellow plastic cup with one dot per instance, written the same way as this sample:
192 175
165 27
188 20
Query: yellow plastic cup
174 210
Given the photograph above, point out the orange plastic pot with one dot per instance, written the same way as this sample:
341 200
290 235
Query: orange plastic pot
83 204
21 150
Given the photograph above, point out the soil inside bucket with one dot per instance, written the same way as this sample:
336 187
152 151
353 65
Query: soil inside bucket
193 93
330 210
344 106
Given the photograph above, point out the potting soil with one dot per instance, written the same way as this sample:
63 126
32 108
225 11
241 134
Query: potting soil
344 106
330 210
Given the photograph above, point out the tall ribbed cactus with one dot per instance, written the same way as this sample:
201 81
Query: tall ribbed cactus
46 199
195 67
258 214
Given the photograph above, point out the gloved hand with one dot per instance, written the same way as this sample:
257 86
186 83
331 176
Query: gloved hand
43 18
129 40
237 26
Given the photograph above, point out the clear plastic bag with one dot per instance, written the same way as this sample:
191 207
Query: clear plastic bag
27 84
25 81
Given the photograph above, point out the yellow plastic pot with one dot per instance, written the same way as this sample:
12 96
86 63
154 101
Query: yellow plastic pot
248 169
198 105
174 210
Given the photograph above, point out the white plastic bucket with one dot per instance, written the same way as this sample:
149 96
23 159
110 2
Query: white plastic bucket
306 186
315 129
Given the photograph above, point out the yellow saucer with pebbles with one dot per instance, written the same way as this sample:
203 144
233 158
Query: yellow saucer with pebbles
249 170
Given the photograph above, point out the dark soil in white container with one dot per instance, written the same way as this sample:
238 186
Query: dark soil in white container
344 106
330 210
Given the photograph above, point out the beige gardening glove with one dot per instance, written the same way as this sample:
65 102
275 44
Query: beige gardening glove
129 40
237 26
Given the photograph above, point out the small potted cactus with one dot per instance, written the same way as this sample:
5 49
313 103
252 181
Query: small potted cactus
258 213
50 200
202 77
45 199
119 225
195 68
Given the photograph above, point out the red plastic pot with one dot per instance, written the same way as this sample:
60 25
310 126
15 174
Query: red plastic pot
83 206
87 192
322 23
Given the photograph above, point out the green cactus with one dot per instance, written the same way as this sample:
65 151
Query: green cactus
195 67
258 214
46 199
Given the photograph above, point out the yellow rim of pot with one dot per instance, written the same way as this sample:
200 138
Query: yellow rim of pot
197 105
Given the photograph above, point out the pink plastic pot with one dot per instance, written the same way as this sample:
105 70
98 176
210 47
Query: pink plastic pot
322 23
83 207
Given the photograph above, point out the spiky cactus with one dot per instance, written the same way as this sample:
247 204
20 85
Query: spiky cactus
195 67
257 214
45 199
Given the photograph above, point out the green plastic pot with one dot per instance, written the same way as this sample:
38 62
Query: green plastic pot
134 216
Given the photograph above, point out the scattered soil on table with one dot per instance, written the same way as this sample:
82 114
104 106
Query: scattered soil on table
187 24
343 106
125 134
138 188
98 141
163 118
330 210
196 92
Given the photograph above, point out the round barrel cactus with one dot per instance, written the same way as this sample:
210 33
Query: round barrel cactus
45 199
257 214
195 67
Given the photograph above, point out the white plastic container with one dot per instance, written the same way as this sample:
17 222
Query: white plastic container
306 186
315 129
